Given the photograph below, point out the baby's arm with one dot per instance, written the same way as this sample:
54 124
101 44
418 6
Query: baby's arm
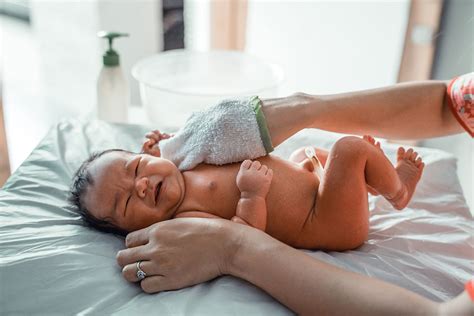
150 146
253 181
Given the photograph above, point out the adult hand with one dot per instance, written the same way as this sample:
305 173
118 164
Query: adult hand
179 252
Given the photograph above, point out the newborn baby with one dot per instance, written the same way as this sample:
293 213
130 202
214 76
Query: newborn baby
314 200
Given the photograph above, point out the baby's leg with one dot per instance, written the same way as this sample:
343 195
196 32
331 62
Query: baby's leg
341 212
299 155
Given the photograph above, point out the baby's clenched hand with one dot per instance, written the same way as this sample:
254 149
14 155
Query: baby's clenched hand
150 146
254 179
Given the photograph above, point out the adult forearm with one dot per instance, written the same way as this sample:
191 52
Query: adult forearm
308 286
403 111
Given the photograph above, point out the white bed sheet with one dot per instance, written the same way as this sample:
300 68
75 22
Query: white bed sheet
51 264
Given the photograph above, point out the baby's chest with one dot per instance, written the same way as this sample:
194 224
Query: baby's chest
219 192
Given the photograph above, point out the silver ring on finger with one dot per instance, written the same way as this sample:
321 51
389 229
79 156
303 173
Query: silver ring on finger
140 273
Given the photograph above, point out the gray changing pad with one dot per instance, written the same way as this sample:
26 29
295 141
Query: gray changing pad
51 264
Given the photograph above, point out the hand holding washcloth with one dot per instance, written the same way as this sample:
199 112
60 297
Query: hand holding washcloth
231 131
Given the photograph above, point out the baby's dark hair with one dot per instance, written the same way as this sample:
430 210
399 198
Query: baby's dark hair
80 182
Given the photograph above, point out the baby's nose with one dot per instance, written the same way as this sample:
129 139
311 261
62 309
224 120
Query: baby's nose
141 186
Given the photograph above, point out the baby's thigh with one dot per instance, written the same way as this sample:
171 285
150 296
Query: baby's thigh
341 211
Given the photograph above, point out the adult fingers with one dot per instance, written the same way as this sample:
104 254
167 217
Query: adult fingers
138 237
129 271
130 255
156 283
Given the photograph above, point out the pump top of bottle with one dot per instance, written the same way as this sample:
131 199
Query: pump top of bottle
111 58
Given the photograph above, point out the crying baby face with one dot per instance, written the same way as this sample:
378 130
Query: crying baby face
132 191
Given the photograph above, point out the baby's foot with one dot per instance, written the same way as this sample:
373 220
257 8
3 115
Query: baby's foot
409 168
371 140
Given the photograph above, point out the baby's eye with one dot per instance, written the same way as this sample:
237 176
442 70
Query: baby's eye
126 205
136 169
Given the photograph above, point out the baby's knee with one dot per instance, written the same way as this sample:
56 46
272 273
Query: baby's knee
349 145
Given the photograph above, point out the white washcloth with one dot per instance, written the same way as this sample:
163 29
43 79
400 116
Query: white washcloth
231 131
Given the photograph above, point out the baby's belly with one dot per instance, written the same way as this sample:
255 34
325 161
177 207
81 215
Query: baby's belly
288 216
290 205
289 202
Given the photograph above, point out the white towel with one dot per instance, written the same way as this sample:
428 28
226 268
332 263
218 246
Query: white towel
230 131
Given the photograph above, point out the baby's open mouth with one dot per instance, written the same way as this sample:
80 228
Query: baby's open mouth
157 192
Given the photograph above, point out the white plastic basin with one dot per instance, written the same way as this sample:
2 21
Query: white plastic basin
175 83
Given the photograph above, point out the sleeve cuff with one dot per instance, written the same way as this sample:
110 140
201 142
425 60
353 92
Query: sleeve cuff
256 104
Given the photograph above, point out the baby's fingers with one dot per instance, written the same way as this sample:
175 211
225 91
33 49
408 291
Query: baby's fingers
246 164
166 136
269 173
148 145
152 136
256 165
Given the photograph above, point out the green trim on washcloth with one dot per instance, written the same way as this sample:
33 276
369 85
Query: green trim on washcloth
256 104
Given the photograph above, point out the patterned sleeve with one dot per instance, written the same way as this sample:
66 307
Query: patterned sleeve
461 100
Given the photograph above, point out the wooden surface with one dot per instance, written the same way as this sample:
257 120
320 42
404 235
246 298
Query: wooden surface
228 24
420 40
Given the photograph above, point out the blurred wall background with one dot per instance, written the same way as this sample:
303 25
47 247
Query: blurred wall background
51 56
455 56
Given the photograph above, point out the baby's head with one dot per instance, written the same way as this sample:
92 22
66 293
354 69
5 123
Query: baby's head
119 191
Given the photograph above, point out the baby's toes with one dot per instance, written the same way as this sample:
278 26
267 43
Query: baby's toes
414 155
263 169
400 153
418 162
422 166
369 138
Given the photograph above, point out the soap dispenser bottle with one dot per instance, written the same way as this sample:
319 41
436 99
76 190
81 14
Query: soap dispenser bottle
113 93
